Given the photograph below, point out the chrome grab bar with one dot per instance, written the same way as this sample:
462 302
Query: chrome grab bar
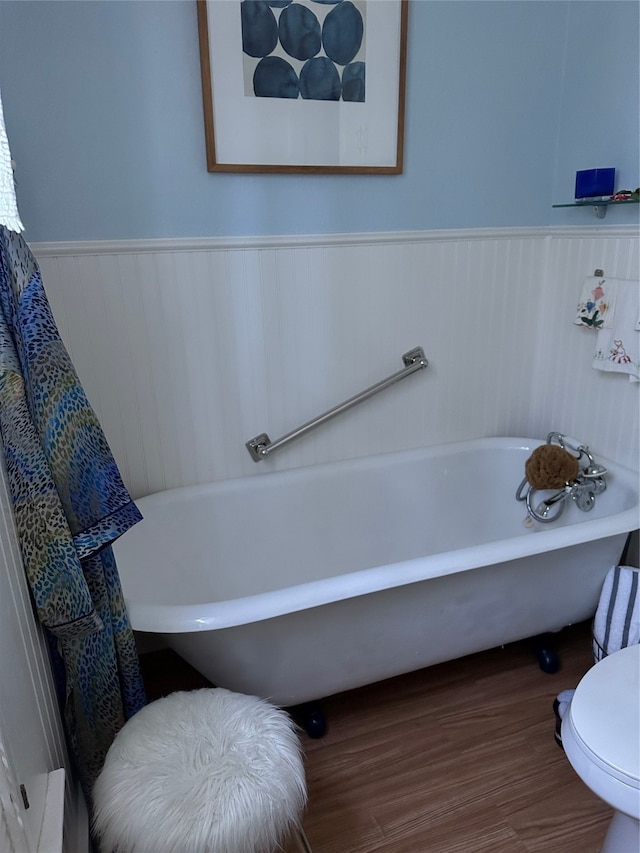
261 446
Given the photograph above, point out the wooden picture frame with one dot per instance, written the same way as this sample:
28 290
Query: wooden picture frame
328 97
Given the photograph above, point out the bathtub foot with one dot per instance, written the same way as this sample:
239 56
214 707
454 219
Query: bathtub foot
545 655
312 719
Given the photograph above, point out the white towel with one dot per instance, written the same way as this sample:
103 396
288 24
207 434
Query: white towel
9 216
616 624
596 303
618 342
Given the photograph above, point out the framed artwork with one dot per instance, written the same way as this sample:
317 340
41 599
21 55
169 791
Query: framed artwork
303 85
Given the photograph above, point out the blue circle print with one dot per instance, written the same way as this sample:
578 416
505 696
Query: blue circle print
259 28
353 82
319 80
279 4
275 78
342 33
299 31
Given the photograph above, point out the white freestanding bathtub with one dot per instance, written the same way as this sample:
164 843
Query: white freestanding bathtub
297 585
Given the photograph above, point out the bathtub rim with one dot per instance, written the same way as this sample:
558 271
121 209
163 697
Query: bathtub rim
191 618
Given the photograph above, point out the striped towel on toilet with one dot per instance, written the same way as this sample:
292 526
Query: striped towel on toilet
617 620
616 625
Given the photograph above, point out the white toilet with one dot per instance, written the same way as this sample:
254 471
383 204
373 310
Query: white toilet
601 738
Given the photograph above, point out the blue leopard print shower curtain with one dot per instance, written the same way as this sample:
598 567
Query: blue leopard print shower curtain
69 505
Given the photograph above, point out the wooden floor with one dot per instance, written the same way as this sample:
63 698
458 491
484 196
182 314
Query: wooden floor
456 758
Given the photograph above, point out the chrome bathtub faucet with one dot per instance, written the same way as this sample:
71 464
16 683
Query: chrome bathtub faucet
583 489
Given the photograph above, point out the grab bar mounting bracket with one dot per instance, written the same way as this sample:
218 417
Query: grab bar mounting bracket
415 355
257 446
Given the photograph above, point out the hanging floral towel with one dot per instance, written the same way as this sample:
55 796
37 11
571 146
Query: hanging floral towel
596 303
70 504
618 344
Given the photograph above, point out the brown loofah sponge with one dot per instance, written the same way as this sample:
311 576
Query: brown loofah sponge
550 467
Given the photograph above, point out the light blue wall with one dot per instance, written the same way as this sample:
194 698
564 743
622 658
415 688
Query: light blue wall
599 124
505 101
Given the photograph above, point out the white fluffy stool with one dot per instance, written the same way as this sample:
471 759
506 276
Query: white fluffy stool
203 770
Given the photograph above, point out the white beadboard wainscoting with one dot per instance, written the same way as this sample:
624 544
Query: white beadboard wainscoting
601 409
188 348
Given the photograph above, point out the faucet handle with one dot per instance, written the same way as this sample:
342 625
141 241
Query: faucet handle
593 470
